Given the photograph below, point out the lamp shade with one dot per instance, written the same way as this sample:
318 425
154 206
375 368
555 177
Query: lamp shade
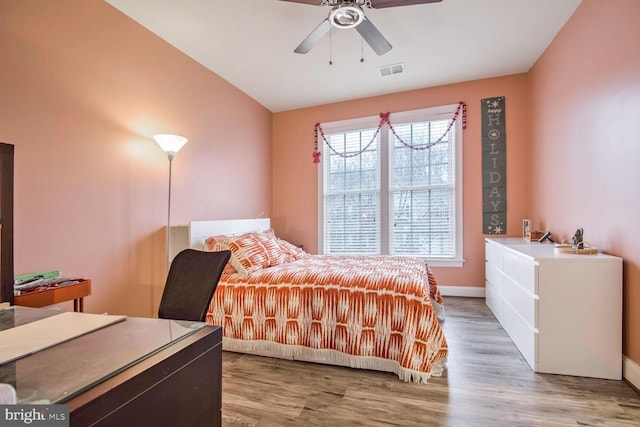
169 143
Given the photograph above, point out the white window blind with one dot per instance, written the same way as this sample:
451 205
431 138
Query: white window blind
352 202
390 198
422 189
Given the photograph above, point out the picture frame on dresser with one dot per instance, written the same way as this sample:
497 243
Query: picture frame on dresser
526 228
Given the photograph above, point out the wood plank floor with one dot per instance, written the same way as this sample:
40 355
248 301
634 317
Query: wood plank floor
486 383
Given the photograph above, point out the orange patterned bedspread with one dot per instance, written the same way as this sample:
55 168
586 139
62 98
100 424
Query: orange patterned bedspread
370 312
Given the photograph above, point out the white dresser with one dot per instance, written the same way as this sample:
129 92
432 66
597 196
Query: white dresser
563 312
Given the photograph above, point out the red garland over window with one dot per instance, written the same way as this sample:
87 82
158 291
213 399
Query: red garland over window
384 118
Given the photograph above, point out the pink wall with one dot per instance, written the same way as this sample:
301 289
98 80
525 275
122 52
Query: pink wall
295 183
82 90
585 105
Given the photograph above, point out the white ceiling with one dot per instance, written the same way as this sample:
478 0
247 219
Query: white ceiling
250 44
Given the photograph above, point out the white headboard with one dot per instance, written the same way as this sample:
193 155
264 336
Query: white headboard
194 234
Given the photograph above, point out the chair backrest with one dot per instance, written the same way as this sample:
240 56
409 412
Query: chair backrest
192 280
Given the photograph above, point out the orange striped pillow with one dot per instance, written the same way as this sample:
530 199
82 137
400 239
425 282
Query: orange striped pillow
210 243
292 252
252 251
276 255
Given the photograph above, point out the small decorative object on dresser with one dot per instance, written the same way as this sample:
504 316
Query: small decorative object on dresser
536 235
527 231
577 247
577 241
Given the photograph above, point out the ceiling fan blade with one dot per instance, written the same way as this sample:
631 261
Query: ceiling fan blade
373 37
313 2
313 38
381 4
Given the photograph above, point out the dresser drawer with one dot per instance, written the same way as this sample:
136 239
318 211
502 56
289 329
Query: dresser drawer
493 254
522 335
493 299
521 270
523 302
494 276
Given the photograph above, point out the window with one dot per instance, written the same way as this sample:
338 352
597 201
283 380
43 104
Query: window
396 190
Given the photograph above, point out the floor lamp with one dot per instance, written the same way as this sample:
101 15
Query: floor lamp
170 144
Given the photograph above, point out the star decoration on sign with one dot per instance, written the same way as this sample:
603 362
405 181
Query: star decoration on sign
494 134
494 229
495 104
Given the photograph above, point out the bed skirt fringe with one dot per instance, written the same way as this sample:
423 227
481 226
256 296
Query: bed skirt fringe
327 356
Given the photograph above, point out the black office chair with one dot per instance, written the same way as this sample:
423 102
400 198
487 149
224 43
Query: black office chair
192 280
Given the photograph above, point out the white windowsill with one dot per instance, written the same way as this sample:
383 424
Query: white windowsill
444 262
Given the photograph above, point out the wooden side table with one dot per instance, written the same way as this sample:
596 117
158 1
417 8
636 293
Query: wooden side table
75 292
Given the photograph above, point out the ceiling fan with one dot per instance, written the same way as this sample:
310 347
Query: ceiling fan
346 14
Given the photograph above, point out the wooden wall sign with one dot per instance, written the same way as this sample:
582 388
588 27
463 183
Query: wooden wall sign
494 166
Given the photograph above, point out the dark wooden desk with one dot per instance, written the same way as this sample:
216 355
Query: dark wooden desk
139 372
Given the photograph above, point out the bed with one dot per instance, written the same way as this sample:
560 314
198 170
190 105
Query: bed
368 312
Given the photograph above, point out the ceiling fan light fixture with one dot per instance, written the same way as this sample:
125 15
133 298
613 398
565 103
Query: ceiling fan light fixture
346 16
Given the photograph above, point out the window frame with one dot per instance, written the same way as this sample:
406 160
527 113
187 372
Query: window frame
445 112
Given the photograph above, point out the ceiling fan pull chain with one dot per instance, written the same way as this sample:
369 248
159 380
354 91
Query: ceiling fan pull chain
361 49
330 46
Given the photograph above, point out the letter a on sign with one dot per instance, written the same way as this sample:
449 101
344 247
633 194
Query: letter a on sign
494 166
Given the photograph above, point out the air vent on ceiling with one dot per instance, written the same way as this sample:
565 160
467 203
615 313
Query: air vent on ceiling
388 70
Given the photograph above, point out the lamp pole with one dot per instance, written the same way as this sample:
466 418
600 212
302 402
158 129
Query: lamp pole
170 144
170 155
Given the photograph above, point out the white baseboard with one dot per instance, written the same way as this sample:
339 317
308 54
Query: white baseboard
462 291
631 371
